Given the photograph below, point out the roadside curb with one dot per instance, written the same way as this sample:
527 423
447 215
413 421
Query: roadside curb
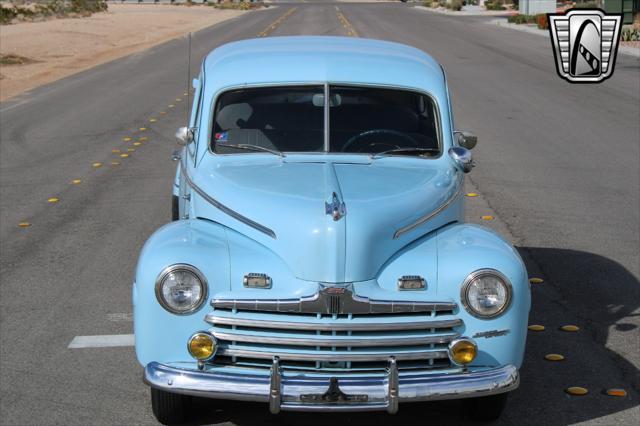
532 29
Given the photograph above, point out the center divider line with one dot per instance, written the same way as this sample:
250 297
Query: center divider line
276 23
346 23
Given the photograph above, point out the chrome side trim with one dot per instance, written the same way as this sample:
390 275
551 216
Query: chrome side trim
332 299
426 218
213 319
336 355
215 203
329 341
383 391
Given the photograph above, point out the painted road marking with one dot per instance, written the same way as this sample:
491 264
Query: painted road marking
120 316
346 23
277 22
104 341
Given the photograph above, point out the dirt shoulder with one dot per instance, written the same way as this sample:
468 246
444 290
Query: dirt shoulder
57 48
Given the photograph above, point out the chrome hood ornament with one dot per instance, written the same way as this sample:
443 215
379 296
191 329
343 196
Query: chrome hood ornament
336 208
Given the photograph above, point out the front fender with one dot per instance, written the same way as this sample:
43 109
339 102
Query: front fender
465 248
160 335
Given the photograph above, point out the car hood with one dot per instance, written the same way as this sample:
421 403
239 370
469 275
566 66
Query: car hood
290 197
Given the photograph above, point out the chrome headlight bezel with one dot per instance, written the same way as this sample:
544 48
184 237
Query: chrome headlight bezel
464 292
204 287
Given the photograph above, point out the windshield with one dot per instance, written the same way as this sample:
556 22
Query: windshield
292 119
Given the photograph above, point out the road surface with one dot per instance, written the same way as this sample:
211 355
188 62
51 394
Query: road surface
558 168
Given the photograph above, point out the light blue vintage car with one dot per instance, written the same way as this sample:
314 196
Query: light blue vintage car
318 259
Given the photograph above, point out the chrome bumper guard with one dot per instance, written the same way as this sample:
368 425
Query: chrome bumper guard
294 391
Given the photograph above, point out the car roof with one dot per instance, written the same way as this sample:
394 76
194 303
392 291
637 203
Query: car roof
319 59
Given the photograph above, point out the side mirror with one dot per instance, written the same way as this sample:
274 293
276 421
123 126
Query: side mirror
184 136
465 139
463 157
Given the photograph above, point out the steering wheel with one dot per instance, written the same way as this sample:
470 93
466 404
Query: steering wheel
360 143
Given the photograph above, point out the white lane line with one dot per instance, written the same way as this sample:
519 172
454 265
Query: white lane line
104 341
120 316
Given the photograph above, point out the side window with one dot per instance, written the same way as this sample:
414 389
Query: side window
194 120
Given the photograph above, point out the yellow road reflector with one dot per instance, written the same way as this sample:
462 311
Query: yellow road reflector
24 224
115 151
171 105
96 165
142 129
152 120
570 328
137 143
554 357
471 194
124 155
115 163
576 390
131 149
536 327
163 112
76 181
184 94
178 99
142 138
53 200
616 392
127 139
536 280
487 217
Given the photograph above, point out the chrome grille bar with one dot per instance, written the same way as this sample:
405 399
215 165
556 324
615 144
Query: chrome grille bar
337 341
335 355
348 325
324 302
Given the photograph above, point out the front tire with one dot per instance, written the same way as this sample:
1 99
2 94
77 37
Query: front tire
170 408
486 408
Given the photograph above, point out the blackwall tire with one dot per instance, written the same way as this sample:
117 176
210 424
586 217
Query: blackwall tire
170 408
486 408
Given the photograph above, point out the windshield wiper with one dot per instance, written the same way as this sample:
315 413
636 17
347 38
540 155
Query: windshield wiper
401 150
251 147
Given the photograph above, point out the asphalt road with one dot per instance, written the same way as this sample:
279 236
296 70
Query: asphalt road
558 167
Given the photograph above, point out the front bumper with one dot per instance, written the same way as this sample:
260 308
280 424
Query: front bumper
296 391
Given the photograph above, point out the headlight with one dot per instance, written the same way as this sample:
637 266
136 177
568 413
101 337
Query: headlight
486 293
181 289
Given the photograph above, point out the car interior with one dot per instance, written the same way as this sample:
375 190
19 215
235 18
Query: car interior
291 119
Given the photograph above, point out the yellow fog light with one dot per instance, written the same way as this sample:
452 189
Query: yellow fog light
202 346
462 351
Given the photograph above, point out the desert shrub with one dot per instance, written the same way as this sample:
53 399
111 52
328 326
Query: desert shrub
494 6
517 19
630 34
243 5
523 19
542 21
454 5
585 5
51 8
7 14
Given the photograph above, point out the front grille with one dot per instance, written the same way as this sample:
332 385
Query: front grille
334 342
